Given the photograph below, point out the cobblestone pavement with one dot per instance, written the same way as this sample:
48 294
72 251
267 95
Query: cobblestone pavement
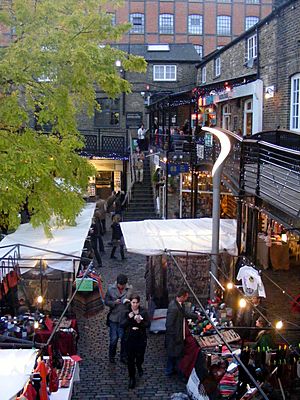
98 378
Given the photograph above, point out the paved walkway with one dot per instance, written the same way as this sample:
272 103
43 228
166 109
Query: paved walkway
98 378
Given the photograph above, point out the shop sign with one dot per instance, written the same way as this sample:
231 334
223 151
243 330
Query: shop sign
134 119
86 285
200 151
176 169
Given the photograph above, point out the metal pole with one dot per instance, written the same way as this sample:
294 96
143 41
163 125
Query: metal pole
180 196
217 173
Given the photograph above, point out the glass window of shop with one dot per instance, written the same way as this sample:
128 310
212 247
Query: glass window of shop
204 197
226 117
248 116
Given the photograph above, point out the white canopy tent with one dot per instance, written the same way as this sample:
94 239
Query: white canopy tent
154 237
68 240
15 369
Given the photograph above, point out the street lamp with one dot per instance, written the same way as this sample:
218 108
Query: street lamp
216 174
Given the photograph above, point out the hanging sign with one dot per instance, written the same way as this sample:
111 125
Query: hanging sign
176 169
86 285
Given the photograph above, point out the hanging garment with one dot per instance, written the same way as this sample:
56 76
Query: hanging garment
251 281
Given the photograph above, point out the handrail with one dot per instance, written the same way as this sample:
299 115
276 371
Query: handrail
131 169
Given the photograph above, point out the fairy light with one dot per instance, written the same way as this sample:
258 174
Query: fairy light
39 299
279 325
229 285
36 324
242 303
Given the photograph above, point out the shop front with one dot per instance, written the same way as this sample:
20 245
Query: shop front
109 177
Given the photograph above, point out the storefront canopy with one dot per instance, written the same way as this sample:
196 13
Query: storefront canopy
154 237
15 369
67 240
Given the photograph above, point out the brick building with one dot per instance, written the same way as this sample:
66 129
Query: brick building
206 24
253 83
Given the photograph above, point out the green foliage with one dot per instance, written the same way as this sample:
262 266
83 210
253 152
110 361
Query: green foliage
48 74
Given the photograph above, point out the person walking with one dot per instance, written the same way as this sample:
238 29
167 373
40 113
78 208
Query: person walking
96 239
117 237
141 137
176 326
140 170
135 322
116 297
101 207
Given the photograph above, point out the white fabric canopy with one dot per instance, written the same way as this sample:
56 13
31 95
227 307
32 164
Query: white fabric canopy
15 369
68 240
153 237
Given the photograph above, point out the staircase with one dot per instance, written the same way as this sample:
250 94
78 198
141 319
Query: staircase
141 205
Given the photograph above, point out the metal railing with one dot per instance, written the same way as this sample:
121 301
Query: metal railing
105 142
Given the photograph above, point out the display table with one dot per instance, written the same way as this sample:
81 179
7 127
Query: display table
66 393
67 338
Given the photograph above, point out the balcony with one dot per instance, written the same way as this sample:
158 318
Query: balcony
106 143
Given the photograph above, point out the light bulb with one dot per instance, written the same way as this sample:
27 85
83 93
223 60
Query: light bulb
229 285
279 325
39 299
165 159
36 324
242 303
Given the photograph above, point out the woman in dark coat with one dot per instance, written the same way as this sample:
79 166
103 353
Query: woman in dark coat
135 322
117 237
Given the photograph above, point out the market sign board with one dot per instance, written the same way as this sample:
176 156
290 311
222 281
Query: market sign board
85 286
134 119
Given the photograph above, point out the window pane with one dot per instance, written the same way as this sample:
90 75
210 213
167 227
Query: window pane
137 20
295 97
113 18
195 24
252 1
199 50
224 25
250 21
166 24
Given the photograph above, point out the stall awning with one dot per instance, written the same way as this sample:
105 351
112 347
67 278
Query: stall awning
68 240
15 369
154 237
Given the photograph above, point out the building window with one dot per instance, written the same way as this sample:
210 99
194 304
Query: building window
224 1
137 21
252 47
203 75
224 25
195 24
218 66
226 117
248 117
166 24
295 103
250 21
199 50
252 1
113 18
109 115
164 72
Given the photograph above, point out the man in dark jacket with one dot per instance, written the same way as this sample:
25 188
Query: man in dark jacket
175 329
116 297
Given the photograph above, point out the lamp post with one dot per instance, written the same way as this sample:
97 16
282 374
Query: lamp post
216 174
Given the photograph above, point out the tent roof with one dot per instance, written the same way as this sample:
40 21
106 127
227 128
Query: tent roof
68 240
154 237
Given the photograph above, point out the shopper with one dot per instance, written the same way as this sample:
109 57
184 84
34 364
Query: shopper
116 297
176 326
140 170
264 339
96 240
135 322
117 237
141 137
101 207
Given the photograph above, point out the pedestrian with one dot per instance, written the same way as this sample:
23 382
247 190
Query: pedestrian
135 322
95 236
117 237
134 159
141 137
140 170
176 326
116 297
110 201
101 207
